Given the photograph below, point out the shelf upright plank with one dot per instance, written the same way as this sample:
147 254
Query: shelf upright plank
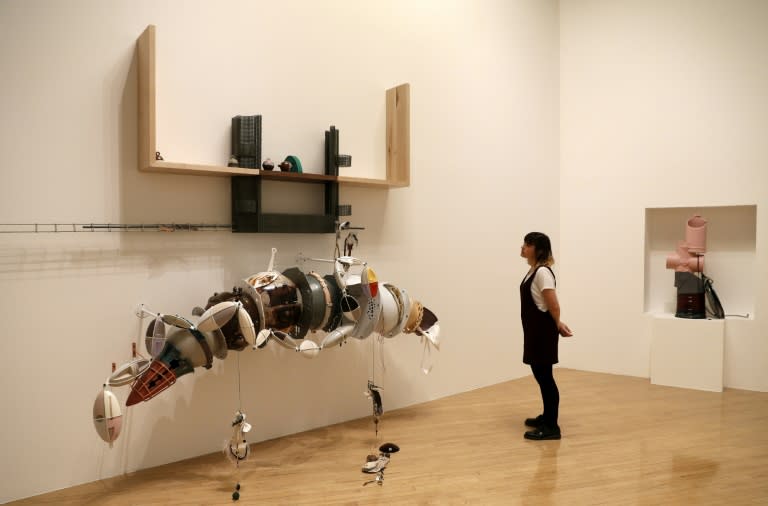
399 135
146 69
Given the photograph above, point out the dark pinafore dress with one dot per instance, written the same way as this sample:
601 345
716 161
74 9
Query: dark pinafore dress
540 332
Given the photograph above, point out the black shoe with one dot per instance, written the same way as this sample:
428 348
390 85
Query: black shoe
543 432
535 422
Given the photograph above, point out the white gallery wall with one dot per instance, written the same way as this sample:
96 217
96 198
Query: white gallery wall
663 105
601 123
484 160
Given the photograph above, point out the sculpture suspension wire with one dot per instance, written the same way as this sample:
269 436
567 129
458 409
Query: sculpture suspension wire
240 410
377 419
239 397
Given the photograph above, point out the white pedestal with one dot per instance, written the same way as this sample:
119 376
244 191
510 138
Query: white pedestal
687 353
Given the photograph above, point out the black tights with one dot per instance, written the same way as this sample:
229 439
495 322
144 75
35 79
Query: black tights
549 392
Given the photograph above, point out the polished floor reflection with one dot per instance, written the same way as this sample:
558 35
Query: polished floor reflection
625 441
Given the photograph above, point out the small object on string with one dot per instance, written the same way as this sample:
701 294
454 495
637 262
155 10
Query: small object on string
344 160
345 225
376 464
373 393
349 243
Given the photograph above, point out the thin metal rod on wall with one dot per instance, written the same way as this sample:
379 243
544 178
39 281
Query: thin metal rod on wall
36 228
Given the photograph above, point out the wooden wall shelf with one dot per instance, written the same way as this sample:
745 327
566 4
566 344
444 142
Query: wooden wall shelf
397 135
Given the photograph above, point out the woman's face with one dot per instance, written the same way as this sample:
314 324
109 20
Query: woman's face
528 251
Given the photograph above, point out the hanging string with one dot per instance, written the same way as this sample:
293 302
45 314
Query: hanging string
239 398
373 363
376 418
380 341
236 493
373 380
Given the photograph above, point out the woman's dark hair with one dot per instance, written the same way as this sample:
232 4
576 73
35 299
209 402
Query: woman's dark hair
542 246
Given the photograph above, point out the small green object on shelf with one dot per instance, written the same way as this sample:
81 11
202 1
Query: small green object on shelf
295 163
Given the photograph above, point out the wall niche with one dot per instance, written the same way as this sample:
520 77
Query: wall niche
729 260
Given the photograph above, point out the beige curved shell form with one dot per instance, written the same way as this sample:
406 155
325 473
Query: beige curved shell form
155 337
415 314
128 372
246 325
389 312
404 305
176 321
395 305
262 337
219 349
217 316
257 300
337 335
309 348
107 416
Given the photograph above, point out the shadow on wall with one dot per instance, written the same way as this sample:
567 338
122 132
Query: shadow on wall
280 392
162 198
178 433
90 254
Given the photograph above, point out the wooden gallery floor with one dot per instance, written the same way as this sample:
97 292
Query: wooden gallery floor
625 441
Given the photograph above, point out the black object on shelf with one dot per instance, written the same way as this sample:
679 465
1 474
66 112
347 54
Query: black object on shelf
343 161
690 296
246 140
247 215
331 151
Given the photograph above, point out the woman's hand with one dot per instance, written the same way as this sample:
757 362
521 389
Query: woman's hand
564 330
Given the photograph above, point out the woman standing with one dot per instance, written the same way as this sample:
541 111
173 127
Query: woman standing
540 313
